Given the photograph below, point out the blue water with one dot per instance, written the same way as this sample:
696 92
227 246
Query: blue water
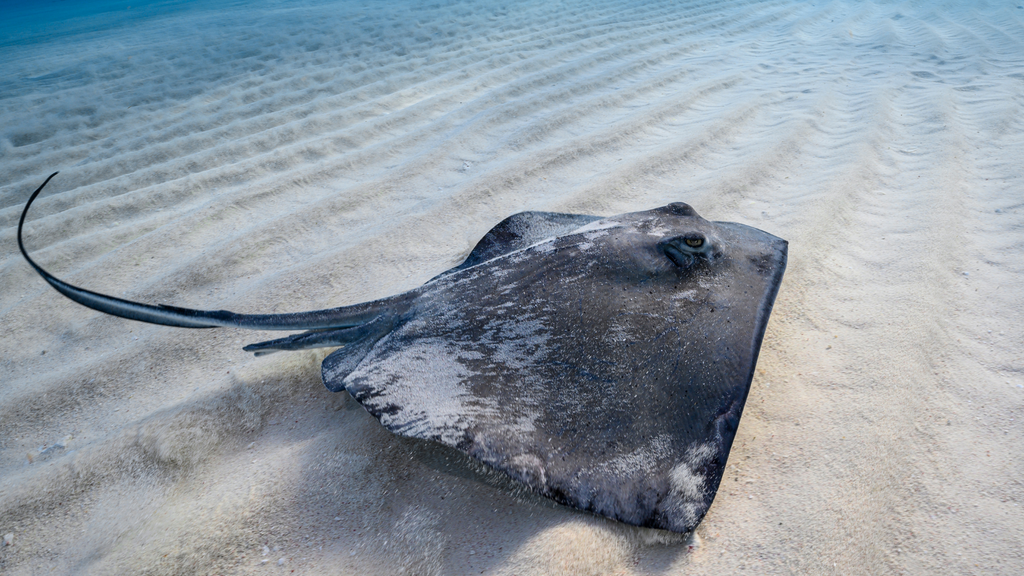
27 22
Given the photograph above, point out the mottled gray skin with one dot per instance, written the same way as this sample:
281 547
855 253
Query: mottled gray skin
589 366
603 363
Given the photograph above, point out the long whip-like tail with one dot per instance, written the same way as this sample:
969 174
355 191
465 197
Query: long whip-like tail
343 317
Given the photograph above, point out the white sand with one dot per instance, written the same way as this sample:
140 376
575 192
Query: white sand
291 156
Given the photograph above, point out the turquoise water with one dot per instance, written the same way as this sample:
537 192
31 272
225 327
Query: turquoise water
47 20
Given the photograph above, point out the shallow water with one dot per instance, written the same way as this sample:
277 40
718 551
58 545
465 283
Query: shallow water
284 156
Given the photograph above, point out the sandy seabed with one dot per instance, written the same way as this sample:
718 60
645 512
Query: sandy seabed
286 156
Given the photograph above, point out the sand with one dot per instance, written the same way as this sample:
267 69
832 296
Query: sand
286 156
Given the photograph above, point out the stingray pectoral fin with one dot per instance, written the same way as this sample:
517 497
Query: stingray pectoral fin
344 317
519 231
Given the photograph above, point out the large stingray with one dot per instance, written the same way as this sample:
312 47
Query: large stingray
603 362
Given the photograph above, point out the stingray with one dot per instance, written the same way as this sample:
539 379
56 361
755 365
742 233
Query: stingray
602 362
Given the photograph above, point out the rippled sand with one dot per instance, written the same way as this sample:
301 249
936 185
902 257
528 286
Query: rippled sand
292 156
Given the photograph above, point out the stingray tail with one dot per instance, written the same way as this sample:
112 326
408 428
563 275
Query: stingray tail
331 319
324 338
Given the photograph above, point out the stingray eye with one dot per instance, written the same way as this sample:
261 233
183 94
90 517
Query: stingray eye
684 250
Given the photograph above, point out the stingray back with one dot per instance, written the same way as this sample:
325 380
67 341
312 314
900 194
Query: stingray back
582 369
